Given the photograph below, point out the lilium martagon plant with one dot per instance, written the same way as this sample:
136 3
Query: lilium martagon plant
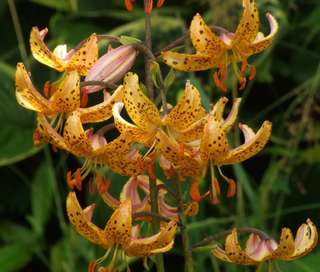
119 234
220 48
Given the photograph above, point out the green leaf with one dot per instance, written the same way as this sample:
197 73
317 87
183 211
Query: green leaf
41 198
125 40
170 77
14 256
55 4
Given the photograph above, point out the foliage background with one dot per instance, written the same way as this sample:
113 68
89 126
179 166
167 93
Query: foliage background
280 187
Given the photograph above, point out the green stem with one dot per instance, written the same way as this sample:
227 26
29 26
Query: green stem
183 230
148 43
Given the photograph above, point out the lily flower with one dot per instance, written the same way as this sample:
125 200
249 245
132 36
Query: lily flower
148 6
259 249
117 154
80 59
130 191
112 66
119 231
65 94
219 50
182 122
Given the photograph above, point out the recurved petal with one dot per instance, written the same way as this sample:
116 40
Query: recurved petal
101 111
83 224
254 143
139 107
234 251
218 109
248 27
258 249
193 132
220 254
66 98
49 134
306 239
187 111
261 42
158 243
41 52
203 39
190 62
118 227
232 116
85 56
27 95
286 247
76 137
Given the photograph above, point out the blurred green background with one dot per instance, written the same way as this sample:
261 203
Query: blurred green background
279 187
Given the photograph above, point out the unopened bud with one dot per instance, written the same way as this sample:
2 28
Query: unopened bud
112 66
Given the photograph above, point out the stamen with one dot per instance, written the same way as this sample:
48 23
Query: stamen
148 6
46 89
181 150
253 72
244 67
92 266
151 171
129 4
36 137
103 187
194 191
242 83
214 192
216 185
218 82
78 180
160 3
231 189
70 182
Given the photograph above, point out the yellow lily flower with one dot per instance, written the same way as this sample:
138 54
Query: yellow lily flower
119 230
259 249
130 191
117 154
66 97
80 59
218 51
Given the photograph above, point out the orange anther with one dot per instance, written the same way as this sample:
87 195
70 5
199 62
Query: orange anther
84 98
218 82
160 3
46 89
92 266
151 171
244 66
36 137
194 191
129 4
53 89
253 72
181 150
70 182
232 188
78 179
148 6
242 83
103 187
215 200
216 186
223 71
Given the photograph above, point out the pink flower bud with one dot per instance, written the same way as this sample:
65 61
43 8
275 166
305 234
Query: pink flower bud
112 66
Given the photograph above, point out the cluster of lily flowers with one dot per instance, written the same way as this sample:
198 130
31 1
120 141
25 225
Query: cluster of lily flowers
184 139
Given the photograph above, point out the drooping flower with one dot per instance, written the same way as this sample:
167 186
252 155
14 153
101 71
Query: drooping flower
119 230
80 59
132 191
225 48
112 66
259 249
148 6
118 154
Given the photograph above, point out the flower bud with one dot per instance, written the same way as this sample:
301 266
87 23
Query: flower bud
112 66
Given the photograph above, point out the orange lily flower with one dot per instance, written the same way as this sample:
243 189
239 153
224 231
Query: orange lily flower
219 51
259 249
119 230
80 59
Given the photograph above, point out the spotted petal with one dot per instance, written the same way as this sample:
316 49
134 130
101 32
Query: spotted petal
101 111
82 222
254 143
41 52
203 39
187 111
139 107
27 95
158 243
286 245
66 98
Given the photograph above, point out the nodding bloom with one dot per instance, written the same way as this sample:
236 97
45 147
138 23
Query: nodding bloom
80 58
132 191
61 97
112 66
118 154
259 249
221 49
119 233
181 123
148 5
212 147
